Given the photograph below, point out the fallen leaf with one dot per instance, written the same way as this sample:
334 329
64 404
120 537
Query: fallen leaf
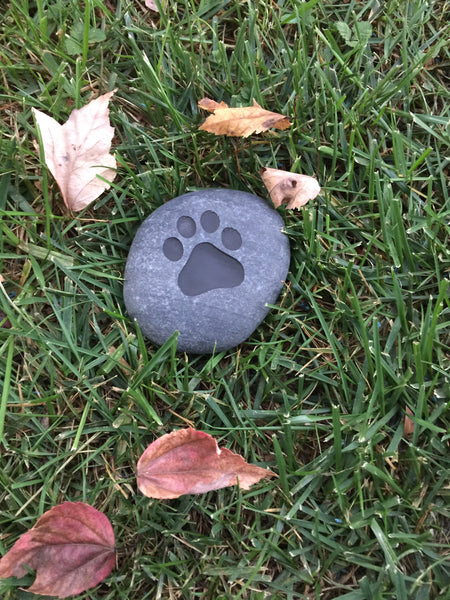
408 424
151 4
77 153
190 462
211 105
71 548
240 121
289 188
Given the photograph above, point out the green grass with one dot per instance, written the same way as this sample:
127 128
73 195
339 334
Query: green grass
319 392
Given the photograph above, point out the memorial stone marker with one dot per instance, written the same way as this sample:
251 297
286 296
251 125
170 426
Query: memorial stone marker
206 264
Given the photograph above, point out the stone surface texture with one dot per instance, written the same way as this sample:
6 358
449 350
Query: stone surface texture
206 264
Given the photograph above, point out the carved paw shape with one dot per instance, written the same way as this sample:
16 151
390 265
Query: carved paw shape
208 267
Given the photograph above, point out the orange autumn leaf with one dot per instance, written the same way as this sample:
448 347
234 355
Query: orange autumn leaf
289 188
240 121
77 153
190 462
211 105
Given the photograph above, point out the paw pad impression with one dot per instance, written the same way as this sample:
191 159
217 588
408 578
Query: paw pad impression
207 267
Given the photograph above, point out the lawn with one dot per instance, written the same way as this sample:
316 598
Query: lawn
342 391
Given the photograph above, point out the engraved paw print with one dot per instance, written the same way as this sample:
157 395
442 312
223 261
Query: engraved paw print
207 267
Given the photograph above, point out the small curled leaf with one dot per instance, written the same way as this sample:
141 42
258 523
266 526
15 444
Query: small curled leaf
291 189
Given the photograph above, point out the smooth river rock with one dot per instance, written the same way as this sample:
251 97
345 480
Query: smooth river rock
206 264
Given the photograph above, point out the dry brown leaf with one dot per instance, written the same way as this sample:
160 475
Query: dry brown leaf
240 121
77 153
190 462
408 424
211 105
289 188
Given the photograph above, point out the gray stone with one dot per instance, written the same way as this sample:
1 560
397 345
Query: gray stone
206 264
